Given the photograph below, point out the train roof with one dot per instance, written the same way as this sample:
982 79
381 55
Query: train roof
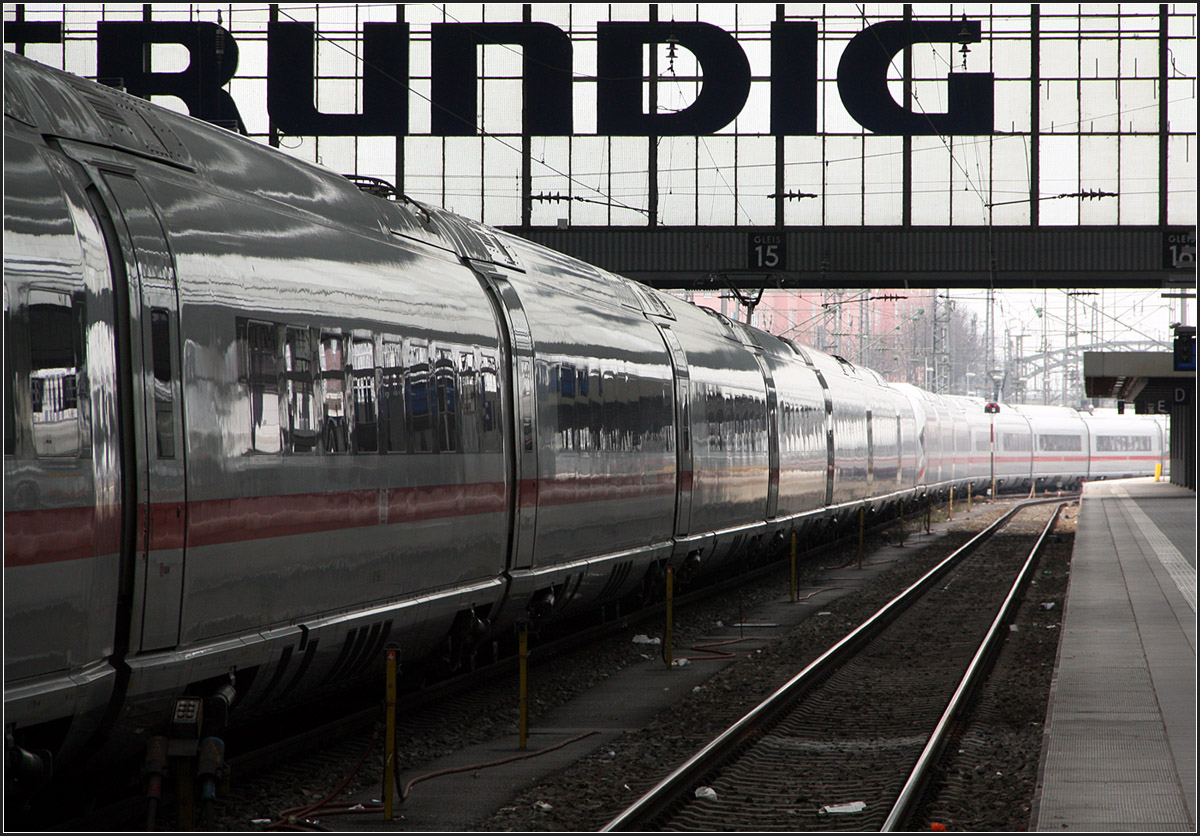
65 106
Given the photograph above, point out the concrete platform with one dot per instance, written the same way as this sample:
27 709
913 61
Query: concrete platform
1120 746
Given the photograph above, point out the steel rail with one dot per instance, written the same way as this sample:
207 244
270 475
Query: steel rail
971 680
658 798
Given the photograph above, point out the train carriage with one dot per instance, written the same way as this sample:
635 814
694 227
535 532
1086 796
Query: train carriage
1060 445
1123 446
848 426
926 439
596 451
800 427
1000 445
725 500
1013 434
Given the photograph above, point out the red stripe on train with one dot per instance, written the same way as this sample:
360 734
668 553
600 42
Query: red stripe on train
52 535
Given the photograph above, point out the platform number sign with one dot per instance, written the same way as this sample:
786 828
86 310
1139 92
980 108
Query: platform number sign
766 252
1179 249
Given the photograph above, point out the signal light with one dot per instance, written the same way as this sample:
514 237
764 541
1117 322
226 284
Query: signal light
991 408
1185 351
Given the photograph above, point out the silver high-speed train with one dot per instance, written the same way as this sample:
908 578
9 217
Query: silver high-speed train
260 423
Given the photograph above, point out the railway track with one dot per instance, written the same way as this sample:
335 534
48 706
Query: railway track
846 743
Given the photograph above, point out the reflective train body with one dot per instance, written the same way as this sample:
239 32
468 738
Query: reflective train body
260 423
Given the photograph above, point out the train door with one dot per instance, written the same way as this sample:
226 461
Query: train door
870 451
153 300
524 418
683 421
772 436
830 467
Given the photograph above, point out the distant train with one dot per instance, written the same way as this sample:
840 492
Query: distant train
260 423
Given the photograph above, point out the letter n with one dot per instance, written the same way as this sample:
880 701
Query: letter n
291 77
545 70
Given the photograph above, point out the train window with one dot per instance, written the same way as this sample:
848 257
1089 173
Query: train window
1122 443
566 405
10 414
595 410
1019 442
334 424
716 419
418 407
300 434
608 410
787 426
1056 443
164 395
870 443
467 382
659 418
618 409
393 436
685 417
446 379
366 427
468 385
581 433
567 380
262 380
54 363
489 391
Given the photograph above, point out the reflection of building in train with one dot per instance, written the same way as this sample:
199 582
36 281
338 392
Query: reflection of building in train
54 403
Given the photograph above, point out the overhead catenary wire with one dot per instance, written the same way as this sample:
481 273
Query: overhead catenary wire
835 186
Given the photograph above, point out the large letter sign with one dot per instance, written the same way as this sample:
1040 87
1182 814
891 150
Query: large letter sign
547 82
545 67
862 82
619 87
793 79
385 83
121 54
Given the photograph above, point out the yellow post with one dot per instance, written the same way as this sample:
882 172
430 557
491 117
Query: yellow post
970 493
862 526
670 603
1157 471
793 585
951 502
523 653
389 742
